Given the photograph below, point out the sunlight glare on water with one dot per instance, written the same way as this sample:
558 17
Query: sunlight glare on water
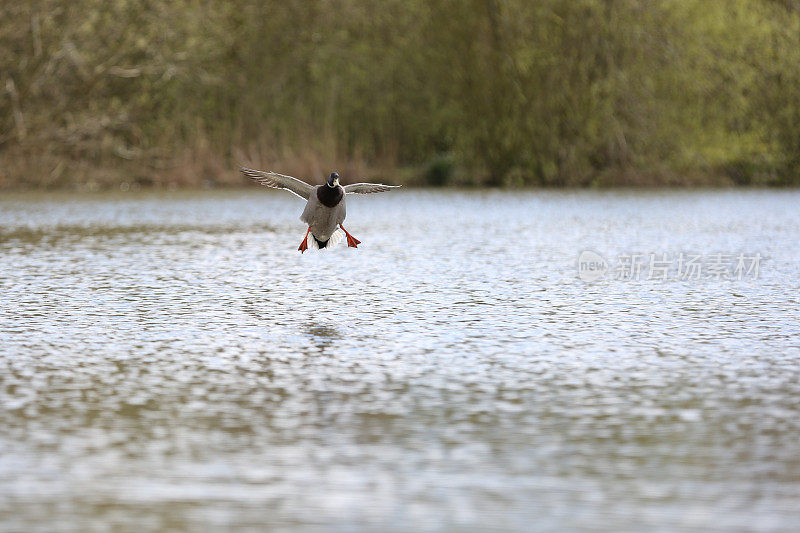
172 362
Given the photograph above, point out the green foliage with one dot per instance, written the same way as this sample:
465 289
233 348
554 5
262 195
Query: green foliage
553 92
440 170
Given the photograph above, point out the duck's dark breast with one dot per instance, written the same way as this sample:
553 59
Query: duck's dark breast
330 196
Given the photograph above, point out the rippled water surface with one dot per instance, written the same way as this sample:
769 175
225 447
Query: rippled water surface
173 363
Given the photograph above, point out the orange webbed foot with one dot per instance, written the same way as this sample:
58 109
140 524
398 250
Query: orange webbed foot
304 245
352 242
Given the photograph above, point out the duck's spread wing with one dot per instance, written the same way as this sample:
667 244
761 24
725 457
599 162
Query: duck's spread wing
368 188
279 181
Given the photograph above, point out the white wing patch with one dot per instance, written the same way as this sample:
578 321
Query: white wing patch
368 188
279 181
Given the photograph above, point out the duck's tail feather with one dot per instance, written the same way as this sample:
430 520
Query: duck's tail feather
335 238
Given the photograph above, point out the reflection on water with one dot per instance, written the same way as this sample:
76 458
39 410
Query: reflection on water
174 363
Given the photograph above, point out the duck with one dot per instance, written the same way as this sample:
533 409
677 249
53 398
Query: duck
325 209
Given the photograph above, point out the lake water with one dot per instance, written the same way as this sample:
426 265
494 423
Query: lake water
172 362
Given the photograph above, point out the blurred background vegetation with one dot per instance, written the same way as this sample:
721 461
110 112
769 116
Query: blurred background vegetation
110 93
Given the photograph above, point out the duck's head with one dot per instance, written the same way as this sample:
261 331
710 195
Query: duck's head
333 180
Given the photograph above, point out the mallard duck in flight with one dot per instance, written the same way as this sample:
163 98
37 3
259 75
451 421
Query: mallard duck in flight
325 206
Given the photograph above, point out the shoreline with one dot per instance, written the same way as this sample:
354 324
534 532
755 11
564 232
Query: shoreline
87 177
